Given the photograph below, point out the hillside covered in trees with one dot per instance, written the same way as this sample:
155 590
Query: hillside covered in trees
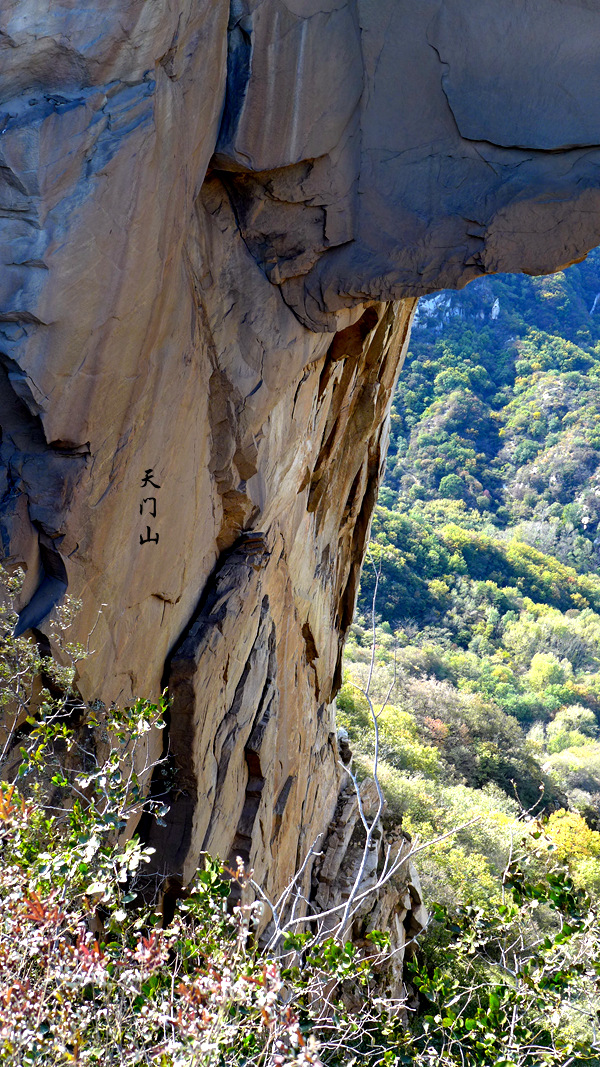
487 544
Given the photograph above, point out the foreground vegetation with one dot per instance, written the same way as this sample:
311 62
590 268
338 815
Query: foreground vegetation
202 993
92 973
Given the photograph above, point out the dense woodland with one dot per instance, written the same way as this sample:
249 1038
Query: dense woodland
486 545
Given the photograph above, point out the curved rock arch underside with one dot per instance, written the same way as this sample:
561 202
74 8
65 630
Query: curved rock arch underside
215 221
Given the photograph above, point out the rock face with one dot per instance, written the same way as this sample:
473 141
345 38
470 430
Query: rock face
214 223
396 907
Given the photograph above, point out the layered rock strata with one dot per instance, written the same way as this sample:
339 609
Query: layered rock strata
393 904
214 222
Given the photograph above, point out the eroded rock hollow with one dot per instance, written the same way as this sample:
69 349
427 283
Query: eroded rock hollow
215 221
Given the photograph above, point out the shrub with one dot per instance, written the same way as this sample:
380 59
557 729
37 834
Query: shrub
546 670
452 487
574 717
577 768
572 836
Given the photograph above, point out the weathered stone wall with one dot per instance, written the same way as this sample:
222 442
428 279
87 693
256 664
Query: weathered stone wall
214 222
253 680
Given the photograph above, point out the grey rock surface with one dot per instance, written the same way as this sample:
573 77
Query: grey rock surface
214 220
461 140
392 903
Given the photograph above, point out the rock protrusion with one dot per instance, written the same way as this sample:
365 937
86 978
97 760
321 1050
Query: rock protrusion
341 874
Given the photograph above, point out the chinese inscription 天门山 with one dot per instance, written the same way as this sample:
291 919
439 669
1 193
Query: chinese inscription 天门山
148 507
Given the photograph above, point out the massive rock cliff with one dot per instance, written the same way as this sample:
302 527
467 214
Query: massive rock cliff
214 223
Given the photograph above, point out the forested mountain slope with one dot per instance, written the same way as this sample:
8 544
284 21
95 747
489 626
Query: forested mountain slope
487 539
